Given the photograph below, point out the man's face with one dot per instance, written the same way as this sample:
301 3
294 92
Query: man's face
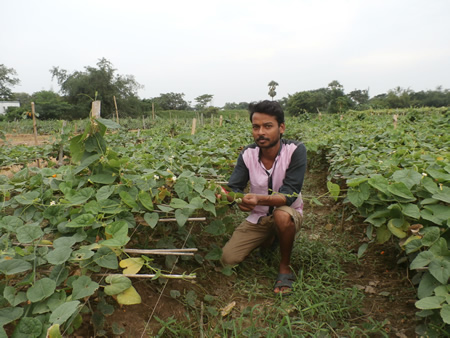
266 130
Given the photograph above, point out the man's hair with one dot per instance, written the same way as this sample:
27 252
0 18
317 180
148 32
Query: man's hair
272 108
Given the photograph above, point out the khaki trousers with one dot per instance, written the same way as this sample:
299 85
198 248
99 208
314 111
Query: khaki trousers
249 236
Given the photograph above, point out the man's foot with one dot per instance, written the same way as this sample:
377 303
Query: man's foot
284 283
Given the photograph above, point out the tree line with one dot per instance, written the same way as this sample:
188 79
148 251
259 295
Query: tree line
102 82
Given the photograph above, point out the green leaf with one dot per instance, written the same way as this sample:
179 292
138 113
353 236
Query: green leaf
214 254
422 259
410 210
429 303
10 314
106 258
431 235
59 273
359 194
59 255
151 219
333 189
83 287
29 233
64 242
380 183
28 327
10 223
64 312
117 229
409 177
445 313
209 195
81 196
82 254
440 269
81 221
53 332
216 228
362 249
118 241
13 266
109 123
383 234
427 285
177 203
128 200
354 182
164 208
118 284
104 178
146 200
87 162
104 192
401 190
27 198
43 288
413 246
182 216
77 148
13 296
443 195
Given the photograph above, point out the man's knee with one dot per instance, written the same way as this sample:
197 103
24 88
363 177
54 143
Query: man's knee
283 220
230 258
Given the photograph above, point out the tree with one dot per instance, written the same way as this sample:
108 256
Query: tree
310 101
338 101
203 100
171 101
49 105
234 105
101 83
360 98
272 87
7 80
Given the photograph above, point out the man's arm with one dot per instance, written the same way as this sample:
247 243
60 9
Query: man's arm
293 181
250 201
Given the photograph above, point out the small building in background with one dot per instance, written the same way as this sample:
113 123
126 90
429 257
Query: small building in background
4 105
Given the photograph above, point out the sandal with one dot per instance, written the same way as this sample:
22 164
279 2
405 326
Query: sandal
284 280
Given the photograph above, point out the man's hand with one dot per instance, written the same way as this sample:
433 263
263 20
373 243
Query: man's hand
249 201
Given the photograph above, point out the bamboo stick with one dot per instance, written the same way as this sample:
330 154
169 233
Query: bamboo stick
146 275
117 112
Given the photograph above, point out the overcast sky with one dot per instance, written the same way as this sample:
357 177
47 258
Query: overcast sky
232 49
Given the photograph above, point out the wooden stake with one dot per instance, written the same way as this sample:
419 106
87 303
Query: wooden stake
61 146
153 110
117 112
96 107
395 117
35 130
194 123
220 121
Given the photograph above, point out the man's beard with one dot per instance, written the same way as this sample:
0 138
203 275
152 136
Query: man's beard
269 145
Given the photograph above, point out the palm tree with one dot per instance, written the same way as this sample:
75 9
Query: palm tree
272 86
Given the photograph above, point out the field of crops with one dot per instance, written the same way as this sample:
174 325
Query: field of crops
66 230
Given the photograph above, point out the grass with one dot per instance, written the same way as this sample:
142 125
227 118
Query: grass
321 305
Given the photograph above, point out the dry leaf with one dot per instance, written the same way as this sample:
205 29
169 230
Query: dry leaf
227 309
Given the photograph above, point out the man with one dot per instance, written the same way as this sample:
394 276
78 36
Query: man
275 168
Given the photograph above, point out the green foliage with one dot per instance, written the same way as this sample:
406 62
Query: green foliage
171 101
7 80
101 83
